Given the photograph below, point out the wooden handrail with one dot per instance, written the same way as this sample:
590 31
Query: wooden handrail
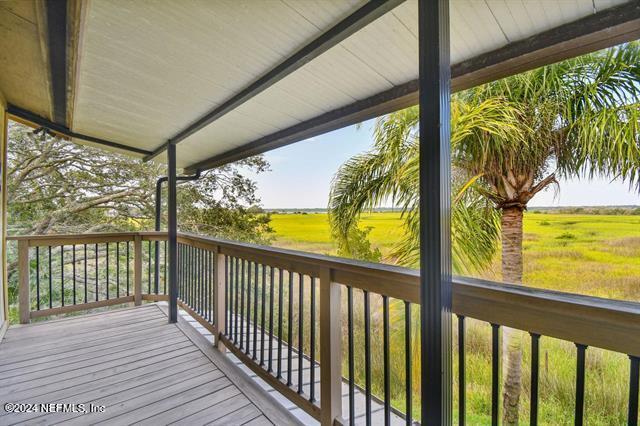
608 324
593 321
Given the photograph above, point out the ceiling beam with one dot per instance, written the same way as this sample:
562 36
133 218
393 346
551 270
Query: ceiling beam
56 16
368 13
33 120
598 31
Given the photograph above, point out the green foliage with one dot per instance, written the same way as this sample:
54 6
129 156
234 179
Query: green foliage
223 203
509 139
566 236
55 186
390 171
357 245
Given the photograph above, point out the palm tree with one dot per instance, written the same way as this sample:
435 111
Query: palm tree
510 140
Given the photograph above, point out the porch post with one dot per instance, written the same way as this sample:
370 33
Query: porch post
172 245
435 210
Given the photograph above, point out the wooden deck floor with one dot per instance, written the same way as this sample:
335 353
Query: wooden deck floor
141 369
377 406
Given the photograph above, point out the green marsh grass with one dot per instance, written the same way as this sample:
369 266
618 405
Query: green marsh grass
597 255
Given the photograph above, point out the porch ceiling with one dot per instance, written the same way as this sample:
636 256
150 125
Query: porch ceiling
140 73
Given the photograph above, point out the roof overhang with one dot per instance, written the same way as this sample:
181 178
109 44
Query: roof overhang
227 80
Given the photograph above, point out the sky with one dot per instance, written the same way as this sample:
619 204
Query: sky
301 175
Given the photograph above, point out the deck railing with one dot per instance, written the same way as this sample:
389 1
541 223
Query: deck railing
60 274
313 325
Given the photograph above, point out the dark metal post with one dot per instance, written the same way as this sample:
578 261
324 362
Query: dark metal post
159 183
172 225
435 210
156 260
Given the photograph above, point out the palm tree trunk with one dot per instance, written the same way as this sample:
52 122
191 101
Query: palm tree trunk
512 245
512 344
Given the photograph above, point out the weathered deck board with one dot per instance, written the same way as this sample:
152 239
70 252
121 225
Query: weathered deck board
142 369
377 406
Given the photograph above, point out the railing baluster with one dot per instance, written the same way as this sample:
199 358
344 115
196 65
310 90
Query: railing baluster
535 369
201 280
248 329
290 330
51 281
200 294
189 282
149 265
300 331
184 271
37 278
188 274
407 365
263 302
227 294
271 295
199 269
86 281
128 260
386 360
214 269
462 386
24 282
280 306
117 268
351 356
312 338
242 282
236 292
195 285
233 288
62 275
255 310
580 364
208 295
495 373
185 276
219 287
180 271
230 295
263 313
137 270
96 253
367 357
197 278
164 268
74 273
207 285
107 267
634 373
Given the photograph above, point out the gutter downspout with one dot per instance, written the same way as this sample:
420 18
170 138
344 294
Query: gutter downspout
196 176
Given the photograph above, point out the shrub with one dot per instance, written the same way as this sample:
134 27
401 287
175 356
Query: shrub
566 236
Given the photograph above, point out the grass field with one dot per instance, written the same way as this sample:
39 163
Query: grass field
597 255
